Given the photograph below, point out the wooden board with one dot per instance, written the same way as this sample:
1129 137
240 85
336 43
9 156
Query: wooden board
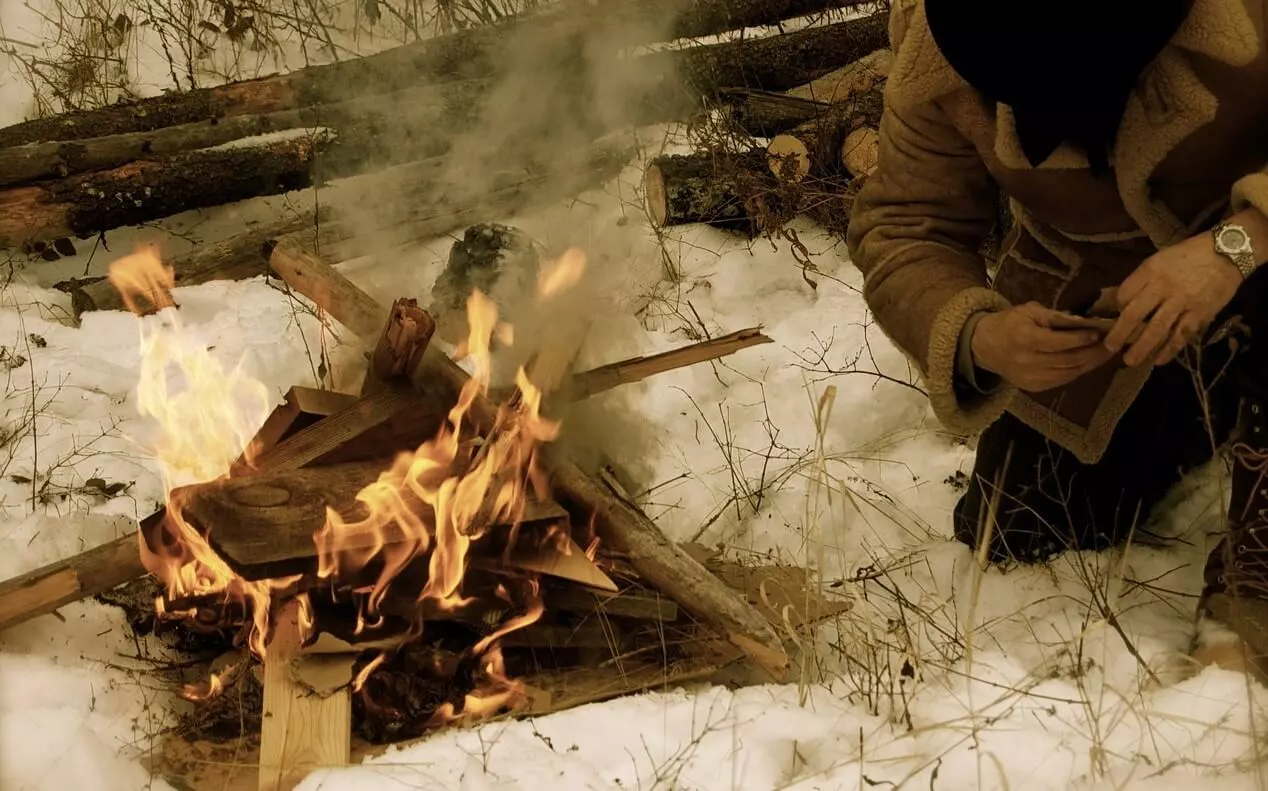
301 731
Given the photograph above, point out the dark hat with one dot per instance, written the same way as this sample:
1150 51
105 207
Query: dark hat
1065 67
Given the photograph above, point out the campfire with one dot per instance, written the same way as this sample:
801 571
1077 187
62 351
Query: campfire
419 555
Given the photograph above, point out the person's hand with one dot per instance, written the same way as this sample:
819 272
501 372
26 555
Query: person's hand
1170 300
1021 347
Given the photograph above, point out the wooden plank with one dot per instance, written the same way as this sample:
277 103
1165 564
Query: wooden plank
300 731
263 525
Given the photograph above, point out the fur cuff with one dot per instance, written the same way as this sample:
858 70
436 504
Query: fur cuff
1251 190
960 412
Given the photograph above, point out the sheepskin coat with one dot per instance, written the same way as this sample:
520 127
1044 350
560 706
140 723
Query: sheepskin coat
1192 147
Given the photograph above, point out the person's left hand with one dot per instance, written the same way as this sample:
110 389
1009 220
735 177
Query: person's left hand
1170 299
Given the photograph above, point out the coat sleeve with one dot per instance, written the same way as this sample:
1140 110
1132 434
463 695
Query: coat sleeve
914 233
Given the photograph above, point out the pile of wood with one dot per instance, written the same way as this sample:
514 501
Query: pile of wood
641 613
89 172
803 151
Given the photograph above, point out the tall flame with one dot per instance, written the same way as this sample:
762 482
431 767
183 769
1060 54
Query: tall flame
428 505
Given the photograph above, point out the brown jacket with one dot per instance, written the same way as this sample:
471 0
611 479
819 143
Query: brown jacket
1193 146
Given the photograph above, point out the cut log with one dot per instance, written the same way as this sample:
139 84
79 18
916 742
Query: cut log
263 525
817 148
300 731
861 151
619 523
720 190
142 191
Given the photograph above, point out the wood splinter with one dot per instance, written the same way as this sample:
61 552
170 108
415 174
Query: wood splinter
405 338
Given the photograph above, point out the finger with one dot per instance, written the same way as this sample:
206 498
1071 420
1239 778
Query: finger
1130 288
1188 330
1132 317
1074 360
1157 333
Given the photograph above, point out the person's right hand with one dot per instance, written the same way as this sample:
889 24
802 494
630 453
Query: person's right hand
1021 347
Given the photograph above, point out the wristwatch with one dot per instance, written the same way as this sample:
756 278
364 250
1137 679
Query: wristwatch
1233 242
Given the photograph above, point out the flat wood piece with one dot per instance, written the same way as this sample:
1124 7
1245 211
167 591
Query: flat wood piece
354 418
573 565
263 525
301 731
565 689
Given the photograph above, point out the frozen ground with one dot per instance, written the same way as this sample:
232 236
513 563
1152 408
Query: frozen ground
1068 675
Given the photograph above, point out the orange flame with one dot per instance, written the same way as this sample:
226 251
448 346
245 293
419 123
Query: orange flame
429 505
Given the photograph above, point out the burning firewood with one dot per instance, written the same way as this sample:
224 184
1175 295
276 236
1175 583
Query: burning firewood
621 524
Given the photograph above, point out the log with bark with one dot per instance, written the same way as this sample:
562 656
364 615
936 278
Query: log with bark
867 72
409 119
819 147
411 201
620 524
480 53
730 191
768 113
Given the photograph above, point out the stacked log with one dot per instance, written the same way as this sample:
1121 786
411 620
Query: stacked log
812 146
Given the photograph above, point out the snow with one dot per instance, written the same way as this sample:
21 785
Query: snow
944 676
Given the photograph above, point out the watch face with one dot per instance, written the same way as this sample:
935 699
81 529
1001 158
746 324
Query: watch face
1234 239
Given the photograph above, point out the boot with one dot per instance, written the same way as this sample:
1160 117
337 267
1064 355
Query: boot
1236 574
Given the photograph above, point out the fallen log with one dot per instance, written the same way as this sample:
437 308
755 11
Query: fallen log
868 72
401 124
768 113
481 53
620 524
89 203
819 147
674 81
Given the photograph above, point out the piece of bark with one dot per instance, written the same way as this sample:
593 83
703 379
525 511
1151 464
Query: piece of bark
817 148
263 525
300 731
301 408
620 524
480 53
322 437
597 380
863 74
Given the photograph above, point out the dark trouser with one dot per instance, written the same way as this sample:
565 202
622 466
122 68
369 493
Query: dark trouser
1048 501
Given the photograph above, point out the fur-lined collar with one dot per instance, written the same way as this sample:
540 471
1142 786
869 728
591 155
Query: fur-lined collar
1170 105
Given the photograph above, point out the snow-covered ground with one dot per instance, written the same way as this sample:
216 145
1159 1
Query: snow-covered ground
942 677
